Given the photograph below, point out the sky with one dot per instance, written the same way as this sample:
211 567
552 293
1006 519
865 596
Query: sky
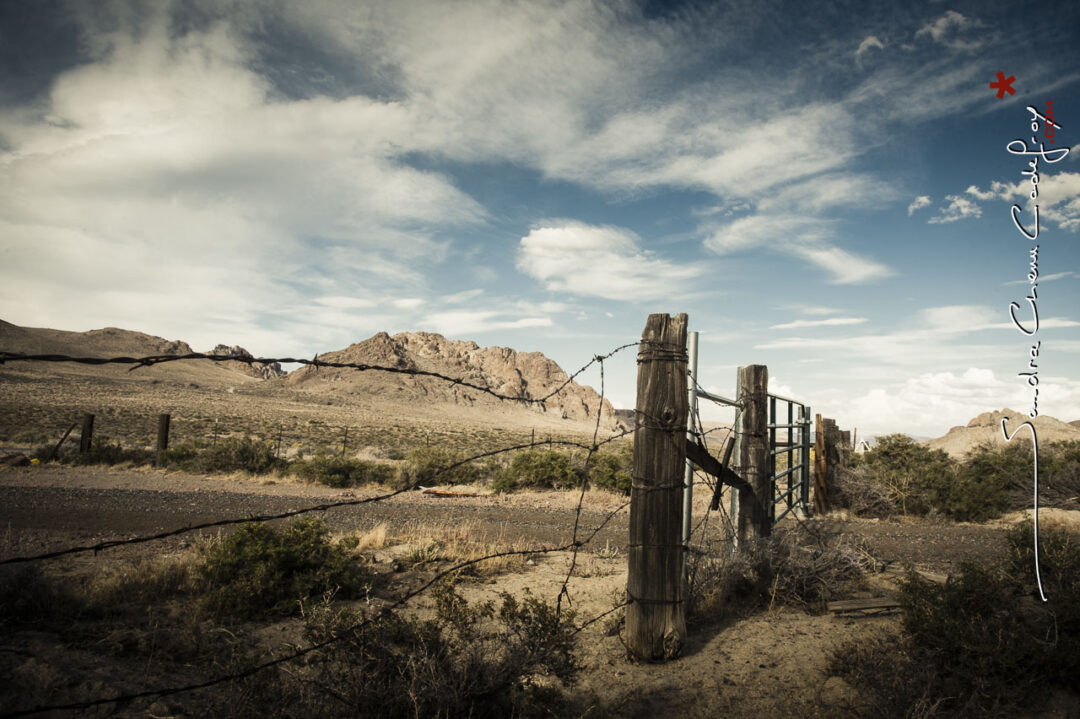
827 193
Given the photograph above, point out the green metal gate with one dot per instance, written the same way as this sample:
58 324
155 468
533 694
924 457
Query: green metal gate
789 456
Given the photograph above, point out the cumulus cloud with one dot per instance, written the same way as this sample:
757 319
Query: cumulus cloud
959 208
918 203
599 262
1059 197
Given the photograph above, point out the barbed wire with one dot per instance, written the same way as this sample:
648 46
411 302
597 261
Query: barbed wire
575 544
339 636
152 360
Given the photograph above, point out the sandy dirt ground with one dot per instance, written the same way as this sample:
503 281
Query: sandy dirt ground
772 663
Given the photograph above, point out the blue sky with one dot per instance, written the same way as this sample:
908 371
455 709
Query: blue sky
826 192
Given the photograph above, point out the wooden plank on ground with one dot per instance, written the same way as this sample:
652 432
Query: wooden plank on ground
859 605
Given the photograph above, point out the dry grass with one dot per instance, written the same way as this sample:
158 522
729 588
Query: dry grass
466 543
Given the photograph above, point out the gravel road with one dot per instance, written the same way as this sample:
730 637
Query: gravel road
57 504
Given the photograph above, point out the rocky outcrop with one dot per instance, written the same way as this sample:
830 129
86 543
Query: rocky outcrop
500 369
258 370
986 429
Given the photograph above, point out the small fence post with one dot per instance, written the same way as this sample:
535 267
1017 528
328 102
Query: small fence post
805 473
162 438
753 386
87 438
655 588
345 442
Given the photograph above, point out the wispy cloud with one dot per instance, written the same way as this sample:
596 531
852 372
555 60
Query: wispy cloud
869 43
831 322
603 262
806 237
952 30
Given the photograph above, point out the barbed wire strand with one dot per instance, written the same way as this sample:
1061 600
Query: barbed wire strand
575 545
151 360
341 635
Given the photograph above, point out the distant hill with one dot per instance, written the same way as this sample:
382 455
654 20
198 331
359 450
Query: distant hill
986 429
501 369
114 342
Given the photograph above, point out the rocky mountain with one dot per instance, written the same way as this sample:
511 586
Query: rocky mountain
986 429
258 370
501 369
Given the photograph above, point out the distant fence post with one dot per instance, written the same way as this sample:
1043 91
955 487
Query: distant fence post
655 587
162 438
753 384
87 437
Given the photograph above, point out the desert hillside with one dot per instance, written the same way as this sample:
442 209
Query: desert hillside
986 429
503 370
379 396
115 342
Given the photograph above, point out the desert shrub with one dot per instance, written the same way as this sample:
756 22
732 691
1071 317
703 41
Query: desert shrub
854 488
793 567
612 469
232 454
337 471
986 479
260 570
435 465
543 469
467 661
28 595
981 644
107 451
917 478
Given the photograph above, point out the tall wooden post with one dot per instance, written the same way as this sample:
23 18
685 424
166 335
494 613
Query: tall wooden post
753 383
656 613
162 438
87 437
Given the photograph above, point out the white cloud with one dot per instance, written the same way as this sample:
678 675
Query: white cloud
918 203
600 262
844 267
870 42
463 324
947 29
831 322
1043 278
959 208
807 237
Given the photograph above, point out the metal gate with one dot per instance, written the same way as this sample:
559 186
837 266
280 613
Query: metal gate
789 456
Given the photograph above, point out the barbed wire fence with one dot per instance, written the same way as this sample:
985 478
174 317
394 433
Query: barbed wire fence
580 537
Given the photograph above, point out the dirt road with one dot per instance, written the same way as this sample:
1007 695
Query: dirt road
52 505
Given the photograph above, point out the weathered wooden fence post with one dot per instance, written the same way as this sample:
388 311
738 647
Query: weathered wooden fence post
162 438
827 443
87 437
753 384
656 613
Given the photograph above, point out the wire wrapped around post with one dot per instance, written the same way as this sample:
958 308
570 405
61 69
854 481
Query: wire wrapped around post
656 614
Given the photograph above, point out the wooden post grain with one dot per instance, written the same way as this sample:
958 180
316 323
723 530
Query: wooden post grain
163 421
87 437
656 591
754 452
